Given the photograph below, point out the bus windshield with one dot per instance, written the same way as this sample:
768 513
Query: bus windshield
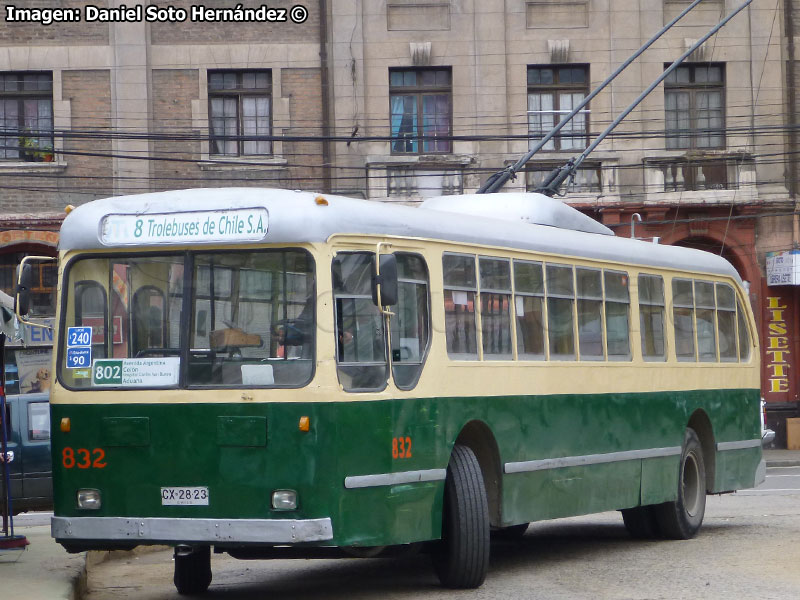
238 319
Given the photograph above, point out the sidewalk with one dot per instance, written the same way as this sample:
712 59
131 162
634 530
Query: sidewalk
782 458
45 571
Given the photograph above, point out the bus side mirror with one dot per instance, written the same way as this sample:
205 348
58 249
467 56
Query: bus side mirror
387 279
22 297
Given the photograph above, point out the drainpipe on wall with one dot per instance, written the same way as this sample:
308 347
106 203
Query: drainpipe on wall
791 100
326 104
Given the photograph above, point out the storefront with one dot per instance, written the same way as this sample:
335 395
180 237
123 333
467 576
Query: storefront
780 339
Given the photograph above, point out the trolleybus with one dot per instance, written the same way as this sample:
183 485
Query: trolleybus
271 373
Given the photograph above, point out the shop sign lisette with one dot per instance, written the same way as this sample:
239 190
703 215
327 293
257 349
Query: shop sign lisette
232 225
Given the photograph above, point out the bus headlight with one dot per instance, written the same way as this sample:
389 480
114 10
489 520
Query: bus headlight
89 499
284 500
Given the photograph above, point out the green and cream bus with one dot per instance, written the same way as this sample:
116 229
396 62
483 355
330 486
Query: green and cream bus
275 373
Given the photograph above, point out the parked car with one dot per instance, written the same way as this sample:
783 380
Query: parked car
28 451
27 365
767 435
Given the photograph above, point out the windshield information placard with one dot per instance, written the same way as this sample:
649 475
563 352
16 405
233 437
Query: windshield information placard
233 225
136 372
79 348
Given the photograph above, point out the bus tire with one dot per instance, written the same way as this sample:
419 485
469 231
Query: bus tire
192 571
681 519
641 522
462 557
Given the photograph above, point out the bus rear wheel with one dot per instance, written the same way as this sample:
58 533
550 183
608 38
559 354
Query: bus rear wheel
462 558
192 570
681 519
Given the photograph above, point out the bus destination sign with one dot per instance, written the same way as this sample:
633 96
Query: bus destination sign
209 226
136 372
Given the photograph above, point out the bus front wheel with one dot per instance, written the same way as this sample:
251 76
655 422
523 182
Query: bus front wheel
192 570
681 518
462 558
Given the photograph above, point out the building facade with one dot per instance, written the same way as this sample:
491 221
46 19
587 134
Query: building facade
397 100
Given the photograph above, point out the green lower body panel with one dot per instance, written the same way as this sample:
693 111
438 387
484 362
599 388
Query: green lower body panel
374 471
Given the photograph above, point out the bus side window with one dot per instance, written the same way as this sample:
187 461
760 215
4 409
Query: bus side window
91 309
726 321
744 336
590 308
706 322
460 288
651 316
617 304
683 318
495 308
149 322
529 309
361 341
560 312
411 323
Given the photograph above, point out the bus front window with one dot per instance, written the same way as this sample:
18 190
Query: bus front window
250 320
120 309
253 319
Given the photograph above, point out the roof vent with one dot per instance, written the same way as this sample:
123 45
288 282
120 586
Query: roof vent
536 209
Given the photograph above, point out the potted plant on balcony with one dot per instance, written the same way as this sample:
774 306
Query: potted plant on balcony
30 151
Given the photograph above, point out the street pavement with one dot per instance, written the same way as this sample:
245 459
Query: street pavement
44 570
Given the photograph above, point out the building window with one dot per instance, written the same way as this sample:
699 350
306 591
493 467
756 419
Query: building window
421 110
694 104
26 116
240 110
554 92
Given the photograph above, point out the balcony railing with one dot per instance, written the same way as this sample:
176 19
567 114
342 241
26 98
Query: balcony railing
591 179
698 174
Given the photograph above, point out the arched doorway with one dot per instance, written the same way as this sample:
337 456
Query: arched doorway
714 247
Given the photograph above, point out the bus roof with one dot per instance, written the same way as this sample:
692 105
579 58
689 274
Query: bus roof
297 217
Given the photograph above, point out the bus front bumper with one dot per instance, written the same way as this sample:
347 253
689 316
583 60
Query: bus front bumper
152 530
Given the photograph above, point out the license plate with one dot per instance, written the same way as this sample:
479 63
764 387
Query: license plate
184 496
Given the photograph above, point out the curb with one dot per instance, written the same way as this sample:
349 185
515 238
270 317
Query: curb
80 585
788 462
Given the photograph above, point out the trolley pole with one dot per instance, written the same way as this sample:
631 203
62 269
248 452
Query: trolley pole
499 179
553 183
